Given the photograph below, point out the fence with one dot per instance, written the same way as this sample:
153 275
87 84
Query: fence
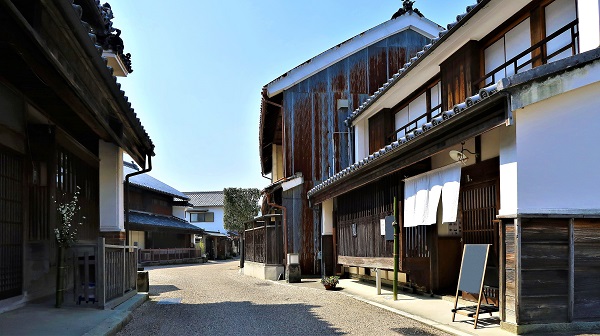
169 256
263 240
103 274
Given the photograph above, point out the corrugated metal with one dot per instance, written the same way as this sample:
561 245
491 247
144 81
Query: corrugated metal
316 136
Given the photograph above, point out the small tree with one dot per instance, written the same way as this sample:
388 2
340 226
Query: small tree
240 205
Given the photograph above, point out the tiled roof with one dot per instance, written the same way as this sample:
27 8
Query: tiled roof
450 28
146 181
161 221
116 87
470 102
205 198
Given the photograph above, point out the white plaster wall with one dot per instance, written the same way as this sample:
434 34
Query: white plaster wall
137 237
179 211
557 152
490 143
217 225
508 171
112 215
327 218
588 12
361 140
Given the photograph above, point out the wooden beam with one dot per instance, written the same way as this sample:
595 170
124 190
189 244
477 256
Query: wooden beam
383 263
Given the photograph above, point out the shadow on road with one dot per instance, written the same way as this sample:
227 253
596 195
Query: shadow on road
156 290
231 318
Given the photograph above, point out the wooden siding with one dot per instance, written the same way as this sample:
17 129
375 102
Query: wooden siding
316 141
586 269
510 271
458 74
544 271
364 207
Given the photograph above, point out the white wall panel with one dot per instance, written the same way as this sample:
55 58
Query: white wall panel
557 154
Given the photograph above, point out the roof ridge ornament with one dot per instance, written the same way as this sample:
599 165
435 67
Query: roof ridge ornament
407 7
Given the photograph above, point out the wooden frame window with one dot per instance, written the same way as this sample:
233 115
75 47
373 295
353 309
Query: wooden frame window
424 106
202 217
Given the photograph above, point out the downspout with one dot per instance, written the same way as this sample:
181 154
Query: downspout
284 212
127 195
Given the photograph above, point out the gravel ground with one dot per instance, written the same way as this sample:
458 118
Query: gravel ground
214 299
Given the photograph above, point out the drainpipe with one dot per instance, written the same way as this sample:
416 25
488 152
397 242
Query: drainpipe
127 195
284 211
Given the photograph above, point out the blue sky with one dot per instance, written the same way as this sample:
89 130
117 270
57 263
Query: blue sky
199 67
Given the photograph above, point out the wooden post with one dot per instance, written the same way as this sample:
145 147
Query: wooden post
124 267
571 306
396 248
101 272
378 280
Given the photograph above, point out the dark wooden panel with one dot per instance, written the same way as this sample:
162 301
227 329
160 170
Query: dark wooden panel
545 256
539 283
587 269
11 224
378 65
377 131
545 230
458 74
543 309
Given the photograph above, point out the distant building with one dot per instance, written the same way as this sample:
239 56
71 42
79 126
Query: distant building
207 210
157 213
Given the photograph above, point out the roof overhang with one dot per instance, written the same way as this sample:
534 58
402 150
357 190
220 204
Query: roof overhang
407 21
469 123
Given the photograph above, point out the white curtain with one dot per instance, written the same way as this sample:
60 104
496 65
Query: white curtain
422 195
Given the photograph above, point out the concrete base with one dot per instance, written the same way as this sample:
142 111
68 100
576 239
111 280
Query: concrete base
262 271
293 273
550 327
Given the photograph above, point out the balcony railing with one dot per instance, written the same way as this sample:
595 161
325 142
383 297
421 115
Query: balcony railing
414 124
538 53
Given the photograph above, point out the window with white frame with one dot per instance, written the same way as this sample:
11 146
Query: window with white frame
419 111
202 217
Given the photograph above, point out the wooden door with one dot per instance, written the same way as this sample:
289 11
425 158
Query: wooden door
479 207
417 254
11 224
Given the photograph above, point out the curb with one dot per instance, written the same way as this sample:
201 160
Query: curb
121 315
426 321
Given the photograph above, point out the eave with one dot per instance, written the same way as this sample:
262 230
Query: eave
401 154
52 73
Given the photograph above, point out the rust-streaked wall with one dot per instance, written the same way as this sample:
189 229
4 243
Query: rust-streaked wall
315 137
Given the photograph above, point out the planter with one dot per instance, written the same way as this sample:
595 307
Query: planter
329 287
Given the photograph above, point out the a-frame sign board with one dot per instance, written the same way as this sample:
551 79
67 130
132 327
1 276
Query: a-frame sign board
472 273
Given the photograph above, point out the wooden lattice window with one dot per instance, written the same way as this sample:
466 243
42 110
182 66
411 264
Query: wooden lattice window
73 172
11 225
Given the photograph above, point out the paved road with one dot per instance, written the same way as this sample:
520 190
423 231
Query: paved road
214 299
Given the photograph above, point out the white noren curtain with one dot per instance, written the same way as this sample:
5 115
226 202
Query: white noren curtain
422 195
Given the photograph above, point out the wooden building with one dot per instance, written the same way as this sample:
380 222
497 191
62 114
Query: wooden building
509 91
303 139
157 213
64 126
